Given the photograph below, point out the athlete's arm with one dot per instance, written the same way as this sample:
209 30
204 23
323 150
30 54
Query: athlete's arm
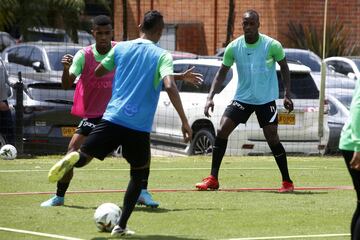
106 65
171 89
277 52
285 76
190 76
220 76
355 129
67 79
100 70
215 86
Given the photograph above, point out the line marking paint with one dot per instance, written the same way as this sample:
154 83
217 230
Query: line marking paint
38 233
295 236
186 190
163 169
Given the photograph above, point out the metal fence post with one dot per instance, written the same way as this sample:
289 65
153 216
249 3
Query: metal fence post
19 110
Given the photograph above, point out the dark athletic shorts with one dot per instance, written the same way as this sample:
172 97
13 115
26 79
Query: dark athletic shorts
240 112
107 136
87 125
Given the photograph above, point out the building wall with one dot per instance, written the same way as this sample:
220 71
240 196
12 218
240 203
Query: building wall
212 15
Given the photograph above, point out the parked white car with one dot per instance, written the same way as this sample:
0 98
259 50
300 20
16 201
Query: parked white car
349 66
298 130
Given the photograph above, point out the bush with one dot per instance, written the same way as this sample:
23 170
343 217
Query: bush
311 38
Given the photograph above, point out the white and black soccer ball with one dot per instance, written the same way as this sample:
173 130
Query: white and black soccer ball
8 152
107 216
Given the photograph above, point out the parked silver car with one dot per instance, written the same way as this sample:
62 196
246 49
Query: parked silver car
339 100
349 66
39 61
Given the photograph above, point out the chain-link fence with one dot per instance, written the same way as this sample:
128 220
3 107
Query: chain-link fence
196 34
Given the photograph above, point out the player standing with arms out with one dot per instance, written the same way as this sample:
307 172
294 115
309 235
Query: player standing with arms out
141 69
255 56
350 148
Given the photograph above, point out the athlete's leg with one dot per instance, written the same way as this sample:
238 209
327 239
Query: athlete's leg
82 131
136 150
132 194
145 197
268 120
355 176
279 153
234 114
74 145
227 125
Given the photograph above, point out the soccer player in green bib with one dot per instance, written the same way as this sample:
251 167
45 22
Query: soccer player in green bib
350 148
255 55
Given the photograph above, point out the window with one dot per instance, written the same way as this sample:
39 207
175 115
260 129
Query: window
56 55
168 37
341 67
307 58
36 56
302 86
20 55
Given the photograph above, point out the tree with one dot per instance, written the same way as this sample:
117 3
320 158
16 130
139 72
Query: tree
230 23
44 13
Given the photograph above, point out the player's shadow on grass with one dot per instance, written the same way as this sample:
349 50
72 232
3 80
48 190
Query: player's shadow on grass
79 207
303 192
164 210
151 210
149 237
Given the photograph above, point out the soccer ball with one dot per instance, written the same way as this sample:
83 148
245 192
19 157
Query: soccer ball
8 152
107 216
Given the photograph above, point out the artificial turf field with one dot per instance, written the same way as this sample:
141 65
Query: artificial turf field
247 206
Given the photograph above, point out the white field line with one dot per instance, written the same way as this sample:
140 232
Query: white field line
162 169
292 237
38 233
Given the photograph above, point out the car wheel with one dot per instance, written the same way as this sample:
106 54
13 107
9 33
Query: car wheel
202 143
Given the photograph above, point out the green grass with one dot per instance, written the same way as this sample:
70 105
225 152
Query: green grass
184 214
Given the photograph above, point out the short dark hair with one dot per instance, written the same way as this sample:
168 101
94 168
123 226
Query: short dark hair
101 20
152 20
252 12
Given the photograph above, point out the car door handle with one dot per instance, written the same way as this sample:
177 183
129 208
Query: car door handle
166 103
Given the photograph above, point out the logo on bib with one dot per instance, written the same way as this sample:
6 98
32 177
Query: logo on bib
130 110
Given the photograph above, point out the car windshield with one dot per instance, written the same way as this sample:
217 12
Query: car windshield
55 56
307 58
357 62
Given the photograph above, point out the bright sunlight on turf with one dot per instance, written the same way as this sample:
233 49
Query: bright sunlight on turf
183 214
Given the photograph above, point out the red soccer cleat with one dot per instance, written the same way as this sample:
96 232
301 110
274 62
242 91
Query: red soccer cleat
208 183
286 187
